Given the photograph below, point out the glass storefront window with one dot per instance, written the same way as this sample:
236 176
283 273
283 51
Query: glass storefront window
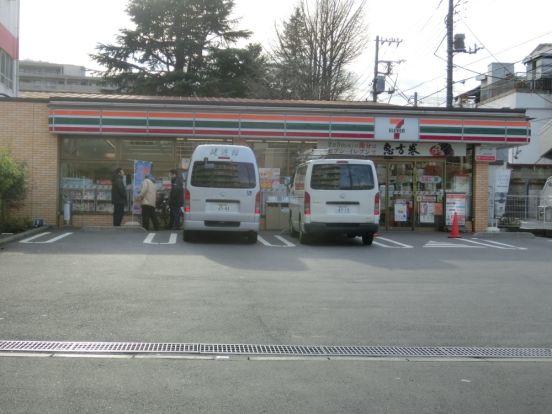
88 149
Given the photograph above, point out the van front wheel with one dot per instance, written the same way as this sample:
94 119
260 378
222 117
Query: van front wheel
367 239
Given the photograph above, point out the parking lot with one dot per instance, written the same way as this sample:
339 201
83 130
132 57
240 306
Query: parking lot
421 291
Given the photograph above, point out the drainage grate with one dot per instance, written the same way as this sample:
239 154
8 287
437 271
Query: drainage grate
134 348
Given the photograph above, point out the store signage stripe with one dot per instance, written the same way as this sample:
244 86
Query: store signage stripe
211 132
76 121
308 134
58 128
217 117
136 130
307 119
440 138
352 127
350 135
276 134
262 125
484 131
170 123
308 127
441 130
124 114
171 115
219 124
171 131
518 132
486 139
262 118
352 120
452 122
519 140
61 112
124 122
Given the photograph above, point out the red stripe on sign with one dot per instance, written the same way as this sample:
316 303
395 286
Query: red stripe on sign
170 131
56 128
485 139
9 42
251 133
125 130
440 138
308 134
518 140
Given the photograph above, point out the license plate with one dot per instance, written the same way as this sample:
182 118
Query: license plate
343 210
223 207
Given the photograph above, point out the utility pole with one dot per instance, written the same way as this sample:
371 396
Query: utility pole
375 90
450 51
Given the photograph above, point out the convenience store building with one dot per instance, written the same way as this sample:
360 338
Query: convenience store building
428 160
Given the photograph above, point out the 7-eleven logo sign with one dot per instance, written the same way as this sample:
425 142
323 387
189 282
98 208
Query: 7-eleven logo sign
405 129
397 127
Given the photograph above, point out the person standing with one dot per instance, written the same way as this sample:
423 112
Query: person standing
176 199
118 196
147 198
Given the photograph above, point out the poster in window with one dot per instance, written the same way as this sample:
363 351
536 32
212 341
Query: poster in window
456 203
401 211
427 212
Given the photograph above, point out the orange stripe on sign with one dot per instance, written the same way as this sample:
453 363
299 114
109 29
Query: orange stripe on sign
253 117
124 114
518 123
171 115
65 112
441 122
352 119
233 117
484 123
299 118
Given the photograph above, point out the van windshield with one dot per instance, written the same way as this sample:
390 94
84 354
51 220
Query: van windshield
342 177
223 174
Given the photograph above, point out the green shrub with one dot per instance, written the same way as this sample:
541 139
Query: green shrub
16 225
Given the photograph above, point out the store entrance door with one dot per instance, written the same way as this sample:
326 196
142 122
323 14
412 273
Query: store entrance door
411 194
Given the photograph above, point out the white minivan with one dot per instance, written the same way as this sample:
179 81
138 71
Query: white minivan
222 191
335 196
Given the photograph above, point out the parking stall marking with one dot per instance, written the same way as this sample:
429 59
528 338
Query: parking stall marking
504 245
149 239
399 245
283 240
31 240
453 245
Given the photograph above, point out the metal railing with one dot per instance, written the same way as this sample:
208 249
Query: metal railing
518 210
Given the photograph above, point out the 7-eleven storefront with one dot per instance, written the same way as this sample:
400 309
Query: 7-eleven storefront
429 160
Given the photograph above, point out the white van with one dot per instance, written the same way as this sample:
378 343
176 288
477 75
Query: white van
222 191
335 196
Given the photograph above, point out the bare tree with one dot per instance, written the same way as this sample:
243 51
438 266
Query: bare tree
317 44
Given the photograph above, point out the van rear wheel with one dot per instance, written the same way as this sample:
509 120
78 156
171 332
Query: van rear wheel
292 231
304 238
251 237
367 239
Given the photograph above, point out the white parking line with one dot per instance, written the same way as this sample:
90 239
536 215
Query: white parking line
489 245
55 239
401 245
454 245
504 244
286 243
149 239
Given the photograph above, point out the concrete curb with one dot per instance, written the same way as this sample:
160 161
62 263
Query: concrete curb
111 229
23 235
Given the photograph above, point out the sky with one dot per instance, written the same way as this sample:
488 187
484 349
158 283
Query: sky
67 31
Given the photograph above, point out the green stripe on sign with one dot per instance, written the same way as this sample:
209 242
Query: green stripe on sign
263 125
517 132
76 121
355 127
484 131
124 122
217 124
440 130
308 127
170 123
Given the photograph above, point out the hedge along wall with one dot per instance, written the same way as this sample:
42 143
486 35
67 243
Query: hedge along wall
24 131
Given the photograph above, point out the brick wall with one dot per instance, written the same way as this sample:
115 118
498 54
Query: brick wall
481 196
24 130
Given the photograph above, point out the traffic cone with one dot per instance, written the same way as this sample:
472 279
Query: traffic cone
454 230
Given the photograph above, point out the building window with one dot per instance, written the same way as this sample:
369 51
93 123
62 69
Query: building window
6 69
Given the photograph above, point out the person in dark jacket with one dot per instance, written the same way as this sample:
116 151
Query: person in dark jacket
176 199
118 196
